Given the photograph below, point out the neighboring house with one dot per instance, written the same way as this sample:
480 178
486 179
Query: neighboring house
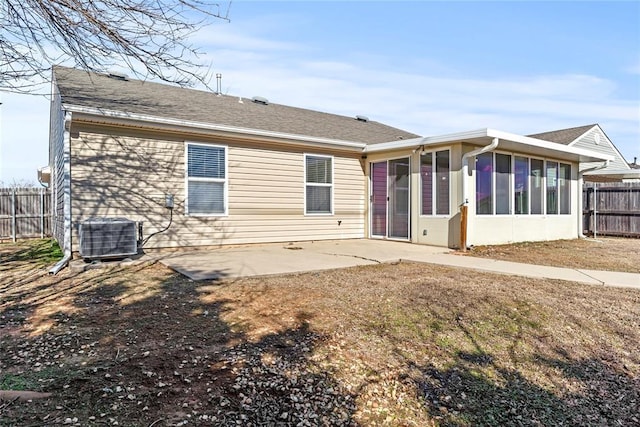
249 171
592 137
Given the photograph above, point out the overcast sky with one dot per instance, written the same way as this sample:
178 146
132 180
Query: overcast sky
426 67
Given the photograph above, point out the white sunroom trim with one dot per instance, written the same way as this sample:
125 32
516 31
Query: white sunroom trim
550 148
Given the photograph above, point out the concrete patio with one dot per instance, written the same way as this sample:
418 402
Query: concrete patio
297 257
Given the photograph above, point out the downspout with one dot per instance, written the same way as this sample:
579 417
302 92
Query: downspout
66 180
60 264
465 197
580 207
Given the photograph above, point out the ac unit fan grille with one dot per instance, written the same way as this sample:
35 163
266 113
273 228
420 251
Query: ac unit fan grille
108 238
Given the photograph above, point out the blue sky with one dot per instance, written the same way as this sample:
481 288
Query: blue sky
426 67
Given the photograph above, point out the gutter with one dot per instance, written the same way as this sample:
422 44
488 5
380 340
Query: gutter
580 207
212 127
465 198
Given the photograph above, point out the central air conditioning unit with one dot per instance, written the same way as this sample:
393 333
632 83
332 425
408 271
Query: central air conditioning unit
108 238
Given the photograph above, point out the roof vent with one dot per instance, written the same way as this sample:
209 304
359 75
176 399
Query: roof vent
260 100
362 118
118 76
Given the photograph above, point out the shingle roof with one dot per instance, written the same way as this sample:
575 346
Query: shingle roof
84 89
563 136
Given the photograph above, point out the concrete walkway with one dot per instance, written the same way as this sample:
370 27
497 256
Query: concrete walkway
278 258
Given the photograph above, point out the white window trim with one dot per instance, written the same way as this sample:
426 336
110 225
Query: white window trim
224 180
333 180
434 187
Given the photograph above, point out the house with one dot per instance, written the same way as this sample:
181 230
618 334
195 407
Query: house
592 137
239 171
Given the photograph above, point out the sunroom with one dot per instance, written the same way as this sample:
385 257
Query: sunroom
475 188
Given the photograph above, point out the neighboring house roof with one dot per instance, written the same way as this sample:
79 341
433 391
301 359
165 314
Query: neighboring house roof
591 137
564 136
103 92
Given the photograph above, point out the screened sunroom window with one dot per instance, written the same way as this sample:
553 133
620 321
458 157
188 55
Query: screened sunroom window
564 187
484 184
503 183
530 186
552 187
435 186
206 179
318 184
521 185
537 186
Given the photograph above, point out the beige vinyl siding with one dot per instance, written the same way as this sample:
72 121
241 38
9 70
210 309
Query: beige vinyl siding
128 176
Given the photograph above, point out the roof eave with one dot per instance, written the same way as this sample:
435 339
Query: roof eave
520 143
188 124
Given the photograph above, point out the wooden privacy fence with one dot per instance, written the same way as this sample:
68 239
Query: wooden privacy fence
25 213
611 209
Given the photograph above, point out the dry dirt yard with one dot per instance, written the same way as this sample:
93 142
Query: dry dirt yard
396 344
603 253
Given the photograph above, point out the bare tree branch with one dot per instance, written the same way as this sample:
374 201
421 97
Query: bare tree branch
149 37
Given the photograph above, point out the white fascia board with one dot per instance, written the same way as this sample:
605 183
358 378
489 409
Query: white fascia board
100 112
580 154
427 140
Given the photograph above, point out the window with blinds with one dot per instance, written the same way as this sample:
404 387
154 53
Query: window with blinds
318 184
206 179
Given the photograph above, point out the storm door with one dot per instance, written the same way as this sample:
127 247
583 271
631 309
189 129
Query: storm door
390 199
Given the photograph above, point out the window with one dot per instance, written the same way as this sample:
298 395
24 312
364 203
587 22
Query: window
537 188
318 184
521 185
484 184
503 184
564 186
536 184
427 177
206 179
435 186
552 187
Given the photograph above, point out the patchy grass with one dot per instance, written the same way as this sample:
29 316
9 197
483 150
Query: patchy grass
37 252
404 344
609 254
